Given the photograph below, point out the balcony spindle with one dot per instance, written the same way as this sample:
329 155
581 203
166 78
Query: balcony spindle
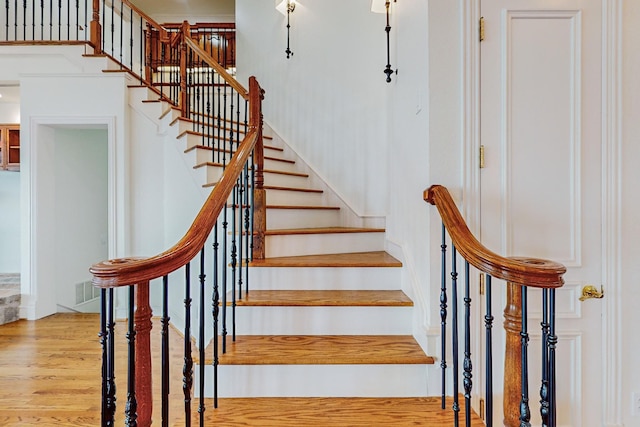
201 342
544 387
216 315
552 341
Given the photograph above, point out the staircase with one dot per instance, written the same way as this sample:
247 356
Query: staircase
325 315
9 298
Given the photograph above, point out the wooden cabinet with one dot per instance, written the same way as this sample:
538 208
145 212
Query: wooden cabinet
10 147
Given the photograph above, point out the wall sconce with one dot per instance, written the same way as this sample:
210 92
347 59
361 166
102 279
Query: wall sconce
286 7
382 6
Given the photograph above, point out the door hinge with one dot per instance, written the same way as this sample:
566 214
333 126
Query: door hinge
481 160
481 284
481 29
481 409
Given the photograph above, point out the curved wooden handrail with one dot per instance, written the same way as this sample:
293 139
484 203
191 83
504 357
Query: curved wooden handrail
214 64
533 272
131 271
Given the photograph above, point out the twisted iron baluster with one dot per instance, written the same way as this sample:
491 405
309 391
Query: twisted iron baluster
468 368
216 314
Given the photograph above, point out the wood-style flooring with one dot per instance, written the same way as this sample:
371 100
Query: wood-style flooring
50 376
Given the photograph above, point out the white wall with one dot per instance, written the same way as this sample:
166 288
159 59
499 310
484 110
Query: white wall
80 211
9 204
9 222
329 100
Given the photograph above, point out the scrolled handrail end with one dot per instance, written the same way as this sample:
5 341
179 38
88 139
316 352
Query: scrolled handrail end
428 194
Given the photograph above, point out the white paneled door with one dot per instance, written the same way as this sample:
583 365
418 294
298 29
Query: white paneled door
541 195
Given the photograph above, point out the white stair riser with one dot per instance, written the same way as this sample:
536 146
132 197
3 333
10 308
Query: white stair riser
316 244
324 278
318 380
280 180
302 218
295 198
322 320
280 166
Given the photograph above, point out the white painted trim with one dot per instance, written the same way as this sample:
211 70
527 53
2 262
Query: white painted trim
612 211
115 200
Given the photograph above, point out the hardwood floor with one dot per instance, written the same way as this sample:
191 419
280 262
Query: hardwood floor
50 376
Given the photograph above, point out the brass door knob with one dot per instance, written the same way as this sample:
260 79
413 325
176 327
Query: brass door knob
590 291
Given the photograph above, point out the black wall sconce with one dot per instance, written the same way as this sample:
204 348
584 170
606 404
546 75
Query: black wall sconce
383 6
286 6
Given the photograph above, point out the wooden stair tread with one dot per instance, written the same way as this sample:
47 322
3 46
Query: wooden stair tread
303 175
305 190
322 230
325 298
358 259
304 207
335 412
271 147
276 159
324 350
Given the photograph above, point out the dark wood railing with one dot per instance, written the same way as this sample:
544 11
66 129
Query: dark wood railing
520 275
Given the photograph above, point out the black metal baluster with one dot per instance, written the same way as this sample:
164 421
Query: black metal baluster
131 410
165 351
443 314
202 276
68 21
111 338
121 31
6 23
33 20
187 370
241 202
106 414
247 212
525 414
234 248
113 28
77 19
142 53
59 19
131 39
216 314
50 19
15 19
24 20
544 387
454 332
224 243
552 343
41 19
488 324
468 368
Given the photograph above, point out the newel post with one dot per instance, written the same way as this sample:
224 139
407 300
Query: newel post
256 95
513 356
184 96
95 28
143 383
